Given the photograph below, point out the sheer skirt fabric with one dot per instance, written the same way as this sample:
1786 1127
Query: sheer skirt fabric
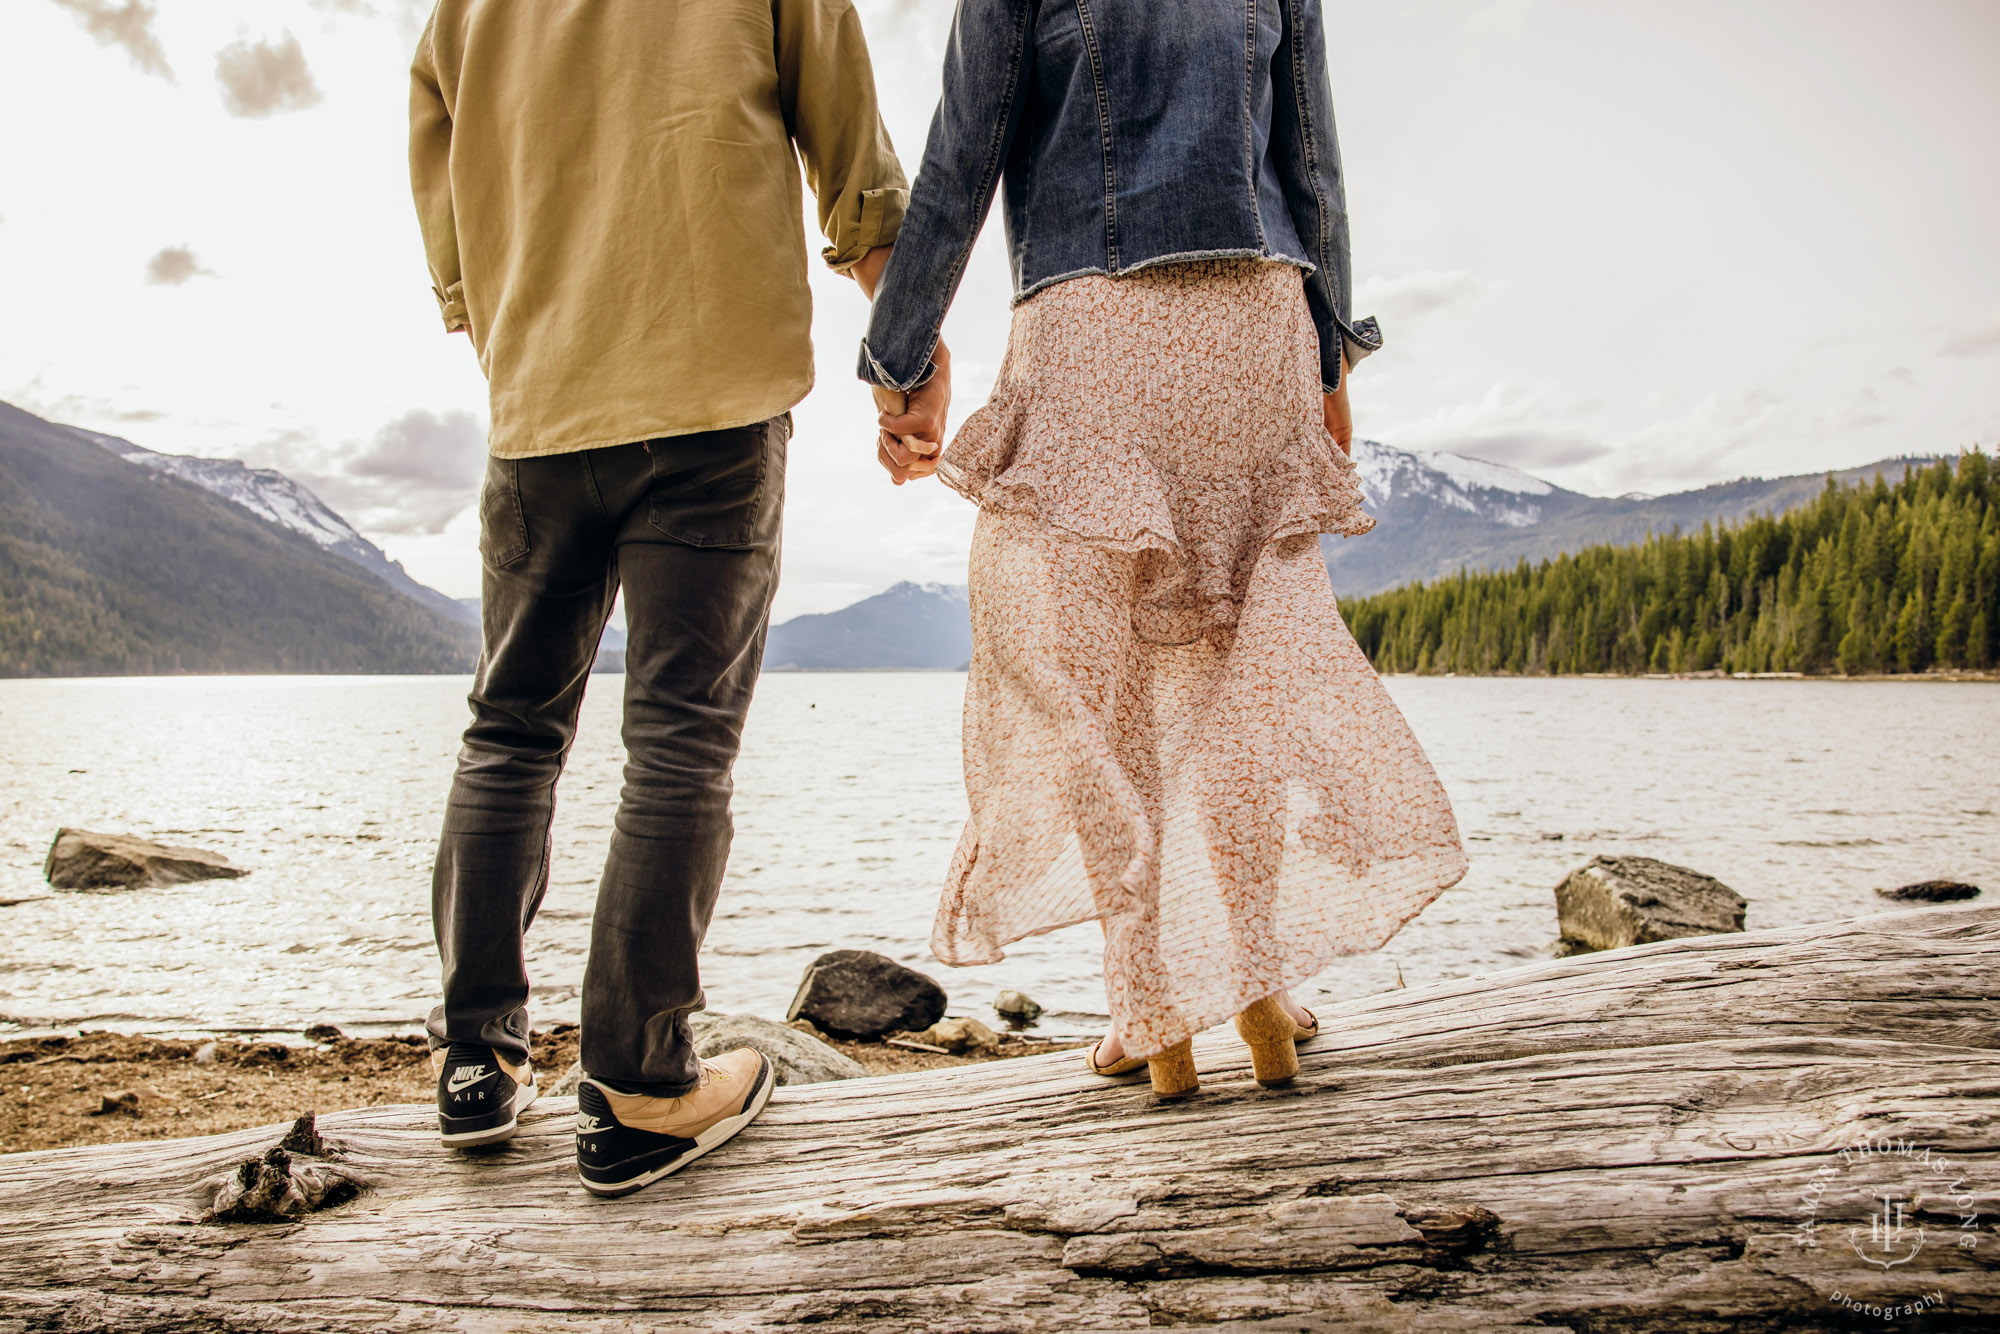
1168 727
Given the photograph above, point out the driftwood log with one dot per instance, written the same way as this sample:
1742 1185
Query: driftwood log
1772 1131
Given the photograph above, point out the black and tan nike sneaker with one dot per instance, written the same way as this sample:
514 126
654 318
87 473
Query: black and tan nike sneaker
628 1140
480 1093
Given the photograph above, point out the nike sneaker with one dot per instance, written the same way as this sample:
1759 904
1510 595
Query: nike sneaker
628 1140
480 1095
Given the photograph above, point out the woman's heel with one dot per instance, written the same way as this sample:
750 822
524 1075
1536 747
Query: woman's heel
1173 1071
1274 1053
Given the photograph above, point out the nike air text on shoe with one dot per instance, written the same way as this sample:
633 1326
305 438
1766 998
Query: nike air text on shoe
480 1095
628 1140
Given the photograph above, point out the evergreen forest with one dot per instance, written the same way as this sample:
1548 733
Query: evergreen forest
1881 578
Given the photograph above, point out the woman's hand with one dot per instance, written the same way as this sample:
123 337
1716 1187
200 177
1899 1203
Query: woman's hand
1339 416
911 426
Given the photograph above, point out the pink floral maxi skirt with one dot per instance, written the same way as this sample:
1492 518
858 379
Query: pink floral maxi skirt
1168 726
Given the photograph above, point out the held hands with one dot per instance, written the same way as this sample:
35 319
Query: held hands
911 426
1339 416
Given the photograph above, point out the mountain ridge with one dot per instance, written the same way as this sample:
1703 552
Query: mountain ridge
1435 514
279 499
111 569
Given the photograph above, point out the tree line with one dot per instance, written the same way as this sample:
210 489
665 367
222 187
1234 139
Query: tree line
1882 577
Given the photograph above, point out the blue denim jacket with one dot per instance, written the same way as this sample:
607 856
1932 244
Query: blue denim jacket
1127 133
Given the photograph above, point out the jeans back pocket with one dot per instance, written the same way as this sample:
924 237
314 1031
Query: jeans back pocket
720 488
503 524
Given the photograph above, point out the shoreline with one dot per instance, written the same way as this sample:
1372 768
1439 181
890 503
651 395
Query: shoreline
66 1090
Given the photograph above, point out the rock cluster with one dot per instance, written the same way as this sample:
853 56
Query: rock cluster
84 859
863 995
1616 901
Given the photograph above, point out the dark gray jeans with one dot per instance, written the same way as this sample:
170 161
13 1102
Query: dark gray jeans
689 526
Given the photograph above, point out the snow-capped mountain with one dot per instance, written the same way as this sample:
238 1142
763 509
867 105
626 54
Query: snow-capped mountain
1491 491
277 499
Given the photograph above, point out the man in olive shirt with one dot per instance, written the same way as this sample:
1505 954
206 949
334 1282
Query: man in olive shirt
610 202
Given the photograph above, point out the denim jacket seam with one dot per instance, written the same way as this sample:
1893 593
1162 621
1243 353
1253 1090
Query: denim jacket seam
1310 143
1249 133
989 171
1103 135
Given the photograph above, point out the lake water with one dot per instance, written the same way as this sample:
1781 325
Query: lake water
1803 795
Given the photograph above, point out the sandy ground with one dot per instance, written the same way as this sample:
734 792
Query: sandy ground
58 1092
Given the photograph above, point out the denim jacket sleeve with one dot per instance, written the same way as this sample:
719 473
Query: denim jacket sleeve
986 66
1307 153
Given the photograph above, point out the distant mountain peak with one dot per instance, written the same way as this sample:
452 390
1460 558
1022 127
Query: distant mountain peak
1490 491
265 492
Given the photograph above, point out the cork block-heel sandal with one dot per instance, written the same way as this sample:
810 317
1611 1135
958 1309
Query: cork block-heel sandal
1173 1071
1273 1040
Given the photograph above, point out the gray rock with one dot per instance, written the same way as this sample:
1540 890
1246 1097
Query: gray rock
566 1086
323 1033
859 994
1016 1008
1931 891
1617 901
81 859
799 1058
205 1054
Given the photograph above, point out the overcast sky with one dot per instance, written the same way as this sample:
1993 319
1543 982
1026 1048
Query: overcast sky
1625 246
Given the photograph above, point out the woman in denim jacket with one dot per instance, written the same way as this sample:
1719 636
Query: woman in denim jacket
1168 728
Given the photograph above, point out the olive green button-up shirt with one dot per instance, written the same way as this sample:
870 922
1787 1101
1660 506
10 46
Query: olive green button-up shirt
610 203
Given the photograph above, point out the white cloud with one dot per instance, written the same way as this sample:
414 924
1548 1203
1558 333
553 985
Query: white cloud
265 77
1980 341
1403 300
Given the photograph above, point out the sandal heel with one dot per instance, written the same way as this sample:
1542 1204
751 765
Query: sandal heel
1270 1034
1173 1071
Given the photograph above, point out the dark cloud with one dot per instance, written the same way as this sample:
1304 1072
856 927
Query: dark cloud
129 25
265 77
174 265
418 473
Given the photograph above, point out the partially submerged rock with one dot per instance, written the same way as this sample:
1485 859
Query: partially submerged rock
1931 891
860 994
798 1058
1616 901
85 859
1017 1008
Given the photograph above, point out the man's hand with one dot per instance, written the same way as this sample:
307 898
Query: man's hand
1339 416
912 425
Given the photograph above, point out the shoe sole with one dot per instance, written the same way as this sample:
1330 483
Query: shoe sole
710 1139
473 1139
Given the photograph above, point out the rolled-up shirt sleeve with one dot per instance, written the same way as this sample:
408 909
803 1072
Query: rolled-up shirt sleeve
430 181
828 88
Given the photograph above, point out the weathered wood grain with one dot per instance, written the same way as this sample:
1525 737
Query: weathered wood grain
1621 1141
